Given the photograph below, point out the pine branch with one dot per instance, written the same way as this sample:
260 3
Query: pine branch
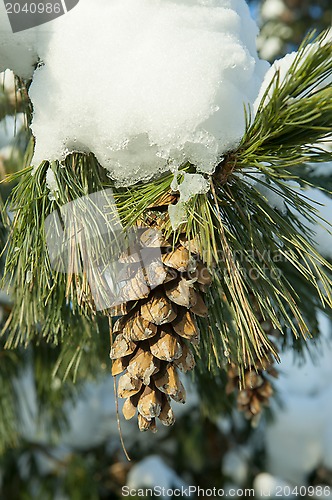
234 226
294 113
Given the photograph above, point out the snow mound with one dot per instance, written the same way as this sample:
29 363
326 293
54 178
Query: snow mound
143 84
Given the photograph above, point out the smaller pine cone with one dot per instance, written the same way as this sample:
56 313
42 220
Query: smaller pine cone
153 337
254 388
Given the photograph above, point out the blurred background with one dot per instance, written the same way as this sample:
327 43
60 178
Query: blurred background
62 441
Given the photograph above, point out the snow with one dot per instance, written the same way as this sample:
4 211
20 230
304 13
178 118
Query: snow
191 185
266 485
235 465
92 417
321 228
272 9
151 472
177 215
18 51
272 192
282 66
51 184
269 47
322 169
300 437
143 84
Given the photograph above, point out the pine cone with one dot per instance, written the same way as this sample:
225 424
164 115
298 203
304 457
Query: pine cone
153 336
254 388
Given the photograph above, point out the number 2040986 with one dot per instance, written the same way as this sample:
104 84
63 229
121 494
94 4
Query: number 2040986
33 8
303 491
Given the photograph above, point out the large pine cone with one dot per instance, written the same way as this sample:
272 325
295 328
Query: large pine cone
153 336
